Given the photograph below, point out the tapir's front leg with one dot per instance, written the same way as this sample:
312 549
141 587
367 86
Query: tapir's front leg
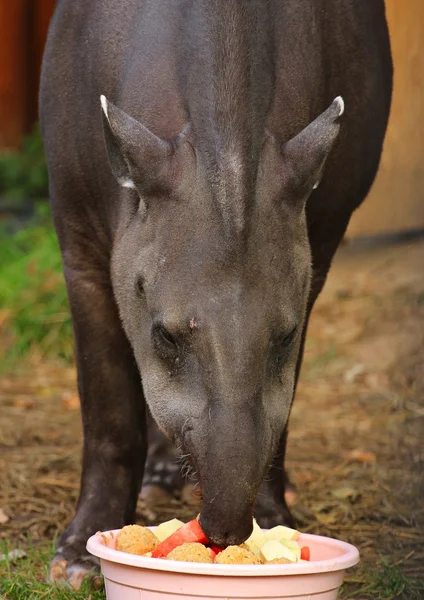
114 422
271 506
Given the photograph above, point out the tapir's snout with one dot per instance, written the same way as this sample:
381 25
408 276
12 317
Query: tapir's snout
231 459
225 522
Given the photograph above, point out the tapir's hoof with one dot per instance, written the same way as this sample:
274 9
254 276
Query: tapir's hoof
72 574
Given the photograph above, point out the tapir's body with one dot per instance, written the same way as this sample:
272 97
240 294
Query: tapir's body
197 227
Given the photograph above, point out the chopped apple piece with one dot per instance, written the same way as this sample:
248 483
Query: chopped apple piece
293 546
164 530
257 537
273 549
252 547
280 532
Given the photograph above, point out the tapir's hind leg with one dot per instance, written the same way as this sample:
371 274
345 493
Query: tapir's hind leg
113 413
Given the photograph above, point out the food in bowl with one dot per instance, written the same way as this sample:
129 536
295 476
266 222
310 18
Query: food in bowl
130 577
191 552
236 555
164 530
135 539
190 532
175 540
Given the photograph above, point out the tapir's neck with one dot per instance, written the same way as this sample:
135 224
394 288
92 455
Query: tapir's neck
228 77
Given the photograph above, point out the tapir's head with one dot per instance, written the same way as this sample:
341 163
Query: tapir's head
211 271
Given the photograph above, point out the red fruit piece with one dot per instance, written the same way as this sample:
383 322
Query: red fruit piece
190 532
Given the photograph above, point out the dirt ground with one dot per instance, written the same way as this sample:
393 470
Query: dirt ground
356 452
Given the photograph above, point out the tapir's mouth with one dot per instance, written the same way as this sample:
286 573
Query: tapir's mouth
228 530
226 516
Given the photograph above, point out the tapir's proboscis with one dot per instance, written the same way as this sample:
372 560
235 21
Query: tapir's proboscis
205 157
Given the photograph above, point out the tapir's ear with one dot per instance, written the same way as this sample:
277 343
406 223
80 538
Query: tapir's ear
305 154
138 158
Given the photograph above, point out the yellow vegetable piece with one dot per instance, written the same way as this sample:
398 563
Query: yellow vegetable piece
252 548
257 537
280 532
273 549
164 530
293 546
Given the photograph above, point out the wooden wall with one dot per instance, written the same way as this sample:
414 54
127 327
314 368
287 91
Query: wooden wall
396 201
23 28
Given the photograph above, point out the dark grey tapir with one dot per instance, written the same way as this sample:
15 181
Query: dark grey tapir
205 157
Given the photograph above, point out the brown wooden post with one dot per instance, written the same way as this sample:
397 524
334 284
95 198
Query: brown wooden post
13 75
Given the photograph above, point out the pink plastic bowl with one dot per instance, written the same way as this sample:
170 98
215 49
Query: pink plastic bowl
131 577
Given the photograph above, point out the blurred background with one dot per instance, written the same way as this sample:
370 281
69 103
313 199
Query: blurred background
33 306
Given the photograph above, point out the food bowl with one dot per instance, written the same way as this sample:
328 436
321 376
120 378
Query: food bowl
132 577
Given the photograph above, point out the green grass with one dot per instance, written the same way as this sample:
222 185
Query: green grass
34 312
23 174
386 582
25 578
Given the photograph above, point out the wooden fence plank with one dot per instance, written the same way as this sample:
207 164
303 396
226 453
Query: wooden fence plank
13 76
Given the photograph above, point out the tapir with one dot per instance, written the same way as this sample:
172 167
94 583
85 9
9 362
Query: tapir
205 157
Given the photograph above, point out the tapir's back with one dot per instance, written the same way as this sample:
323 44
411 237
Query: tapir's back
155 59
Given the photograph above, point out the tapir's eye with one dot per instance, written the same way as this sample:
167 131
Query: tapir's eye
139 287
167 337
279 350
165 343
287 339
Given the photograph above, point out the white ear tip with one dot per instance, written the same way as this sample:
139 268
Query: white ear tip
341 105
103 102
128 183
